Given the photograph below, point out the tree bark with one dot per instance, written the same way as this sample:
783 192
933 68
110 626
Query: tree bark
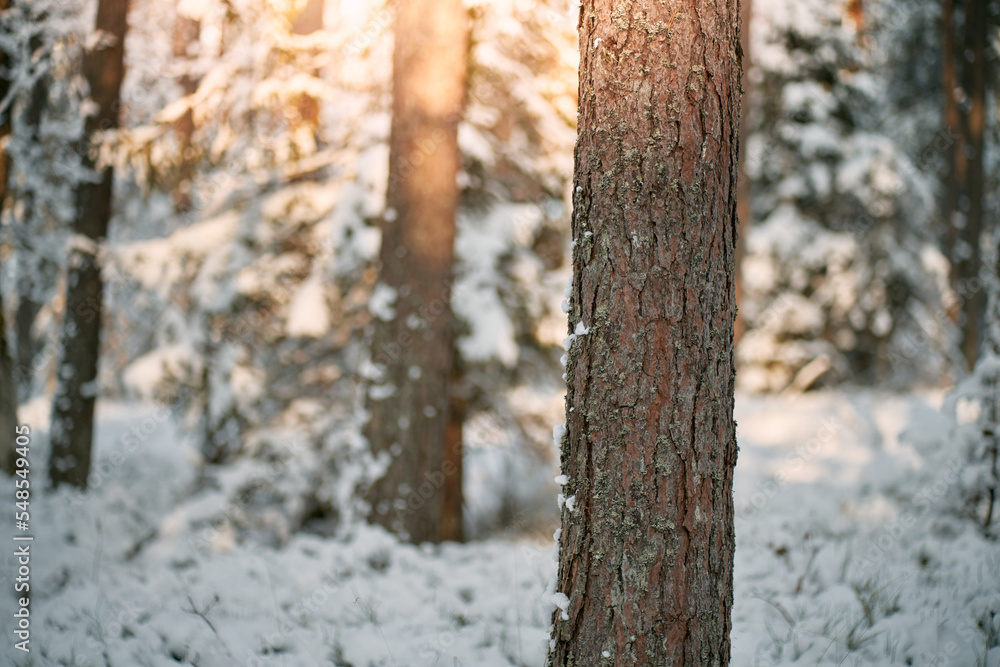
73 407
647 538
415 347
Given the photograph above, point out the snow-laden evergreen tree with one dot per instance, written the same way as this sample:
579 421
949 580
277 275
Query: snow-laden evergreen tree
842 276
41 40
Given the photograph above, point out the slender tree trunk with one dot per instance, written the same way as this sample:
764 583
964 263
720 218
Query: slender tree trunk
8 399
309 20
965 112
73 407
647 539
187 32
955 166
8 388
971 202
744 203
36 275
415 348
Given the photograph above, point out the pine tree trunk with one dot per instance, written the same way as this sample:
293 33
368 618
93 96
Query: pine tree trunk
647 538
415 346
970 265
744 203
73 407
964 179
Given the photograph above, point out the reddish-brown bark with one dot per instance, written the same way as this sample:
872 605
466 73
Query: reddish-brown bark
646 551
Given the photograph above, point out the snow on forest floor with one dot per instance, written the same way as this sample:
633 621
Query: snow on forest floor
832 566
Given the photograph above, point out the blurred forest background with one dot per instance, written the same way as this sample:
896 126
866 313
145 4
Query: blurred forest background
251 165
249 148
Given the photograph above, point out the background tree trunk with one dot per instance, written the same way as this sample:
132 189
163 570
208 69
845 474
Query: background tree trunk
187 33
974 121
647 539
73 407
36 274
415 346
8 399
310 19
744 203
965 103
8 388
452 515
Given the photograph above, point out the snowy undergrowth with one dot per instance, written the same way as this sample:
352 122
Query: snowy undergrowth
837 562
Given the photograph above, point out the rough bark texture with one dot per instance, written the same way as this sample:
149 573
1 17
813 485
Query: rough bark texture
73 407
647 540
415 346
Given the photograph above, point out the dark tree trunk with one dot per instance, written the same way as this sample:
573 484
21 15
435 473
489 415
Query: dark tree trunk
965 103
8 399
24 321
955 167
647 538
8 388
974 121
744 203
415 346
36 275
73 407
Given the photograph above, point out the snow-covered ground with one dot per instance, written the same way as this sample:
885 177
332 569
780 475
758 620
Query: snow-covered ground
835 562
